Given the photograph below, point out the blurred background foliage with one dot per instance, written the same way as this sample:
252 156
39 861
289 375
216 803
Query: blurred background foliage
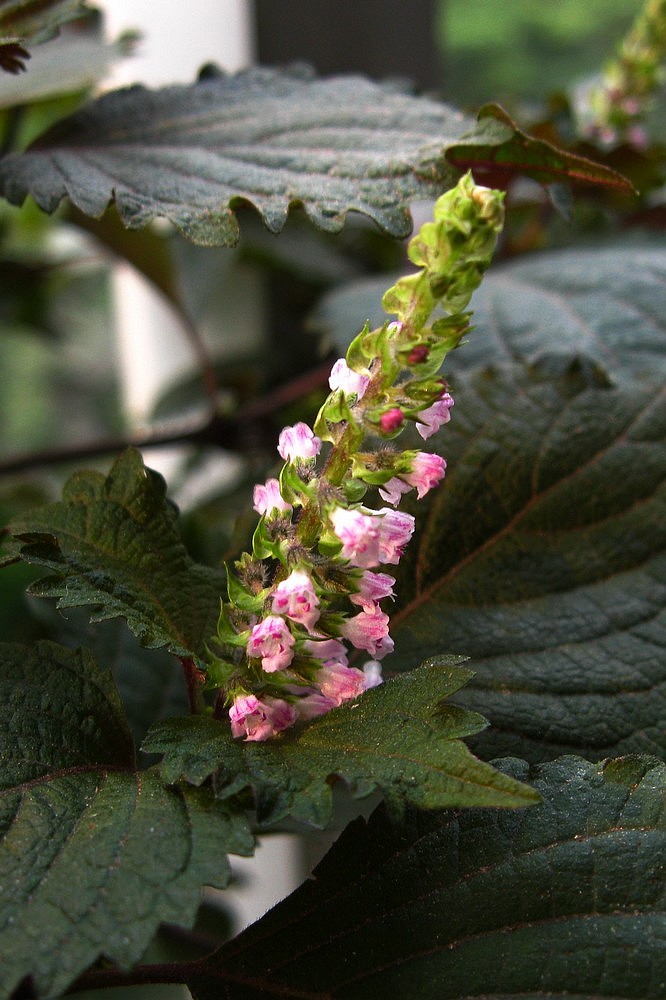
524 50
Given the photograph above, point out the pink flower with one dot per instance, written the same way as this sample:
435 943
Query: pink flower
259 720
343 377
298 442
392 490
268 498
330 650
369 630
372 671
372 587
396 530
272 641
359 534
426 472
430 420
369 539
339 683
295 597
391 420
311 705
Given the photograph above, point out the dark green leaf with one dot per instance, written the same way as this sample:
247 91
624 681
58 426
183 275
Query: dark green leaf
35 20
606 305
113 542
92 861
565 900
542 557
150 681
397 738
498 147
275 139
57 708
93 855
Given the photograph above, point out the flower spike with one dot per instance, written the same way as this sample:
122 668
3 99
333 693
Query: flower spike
310 592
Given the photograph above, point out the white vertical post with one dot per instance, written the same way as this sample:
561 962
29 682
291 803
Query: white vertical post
178 38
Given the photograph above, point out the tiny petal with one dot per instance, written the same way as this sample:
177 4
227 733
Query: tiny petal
372 671
339 683
298 442
295 597
259 720
391 420
430 420
330 650
312 705
268 498
345 378
271 640
392 490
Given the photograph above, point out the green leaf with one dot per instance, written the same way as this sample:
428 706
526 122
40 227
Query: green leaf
113 542
604 305
397 738
542 558
57 707
273 138
93 855
565 900
150 681
498 147
35 20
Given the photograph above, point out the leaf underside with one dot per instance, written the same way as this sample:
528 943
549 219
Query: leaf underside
564 900
275 139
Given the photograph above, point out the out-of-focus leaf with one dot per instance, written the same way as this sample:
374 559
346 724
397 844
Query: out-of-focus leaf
146 250
498 150
70 64
397 737
113 543
93 854
565 900
606 305
275 139
542 557
35 20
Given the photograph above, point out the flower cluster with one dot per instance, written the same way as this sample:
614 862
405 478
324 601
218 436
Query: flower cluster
612 109
311 591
